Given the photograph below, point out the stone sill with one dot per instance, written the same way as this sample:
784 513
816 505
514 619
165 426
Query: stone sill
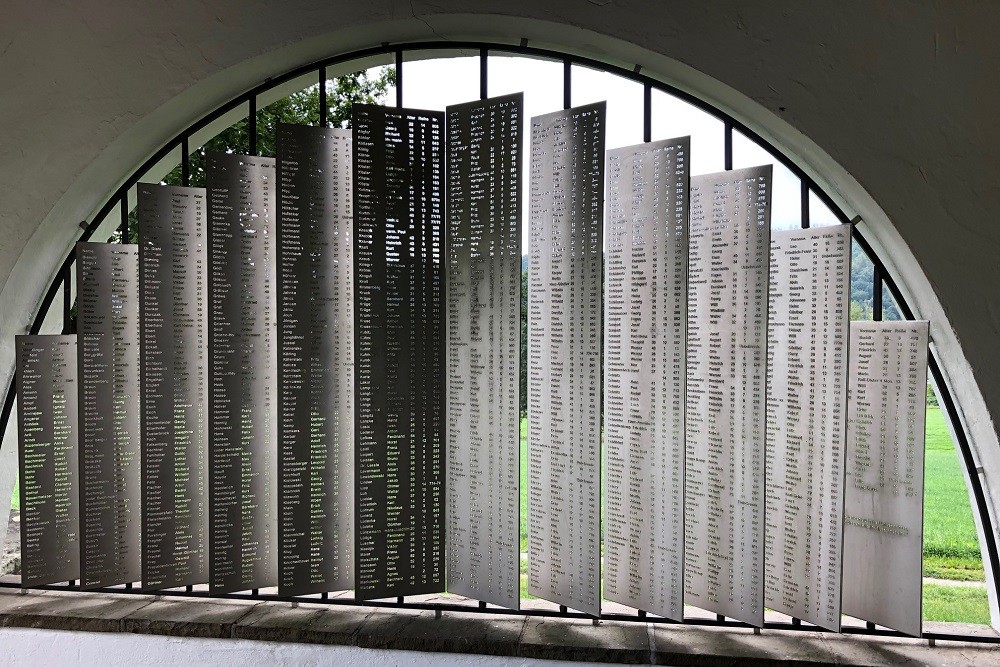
475 633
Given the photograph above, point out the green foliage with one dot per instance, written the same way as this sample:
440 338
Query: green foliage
956 604
301 108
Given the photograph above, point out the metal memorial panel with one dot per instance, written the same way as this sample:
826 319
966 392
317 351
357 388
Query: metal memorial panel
726 386
316 360
243 402
399 351
110 467
884 496
808 328
645 358
47 393
173 268
564 357
484 332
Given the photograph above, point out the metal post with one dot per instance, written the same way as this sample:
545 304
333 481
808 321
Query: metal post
252 124
567 84
805 203
484 88
647 113
399 78
185 163
399 600
323 104
876 293
728 143
67 298
123 224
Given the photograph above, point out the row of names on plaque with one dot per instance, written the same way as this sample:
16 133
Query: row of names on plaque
306 376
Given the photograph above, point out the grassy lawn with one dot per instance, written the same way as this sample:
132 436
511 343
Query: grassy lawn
960 604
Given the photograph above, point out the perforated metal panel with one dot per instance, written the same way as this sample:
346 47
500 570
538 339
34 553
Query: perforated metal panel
726 396
110 469
173 268
564 357
316 362
399 351
484 333
810 298
243 402
48 472
645 358
884 496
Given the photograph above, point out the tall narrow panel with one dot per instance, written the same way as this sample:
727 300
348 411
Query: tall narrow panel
484 333
173 259
316 361
810 298
645 358
727 356
243 401
47 430
399 351
564 357
110 469
884 497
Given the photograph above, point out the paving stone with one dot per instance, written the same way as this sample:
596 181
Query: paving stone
276 621
581 640
456 632
188 618
71 611
335 624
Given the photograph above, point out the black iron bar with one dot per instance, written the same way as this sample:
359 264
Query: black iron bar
567 83
727 133
805 203
323 104
399 78
67 281
123 223
877 293
484 88
185 163
647 112
252 124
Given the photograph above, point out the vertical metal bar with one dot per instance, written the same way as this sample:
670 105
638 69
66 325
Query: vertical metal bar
255 592
567 84
399 78
563 609
324 596
869 625
323 104
399 600
67 279
877 294
189 588
647 113
123 224
728 145
185 163
484 88
641 614
805 203
252 124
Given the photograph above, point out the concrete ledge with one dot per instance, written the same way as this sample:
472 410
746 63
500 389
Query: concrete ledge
473 633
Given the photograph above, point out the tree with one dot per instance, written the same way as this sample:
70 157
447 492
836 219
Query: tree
301 108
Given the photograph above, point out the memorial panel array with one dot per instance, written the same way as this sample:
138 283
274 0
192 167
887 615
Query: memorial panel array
316 362
173 277
564 357
110 465
883 513
809 308
645 358
727 356
47 400
399 256
484 329
243 402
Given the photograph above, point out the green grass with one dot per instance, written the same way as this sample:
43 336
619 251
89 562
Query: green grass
957 604
15 499
951 546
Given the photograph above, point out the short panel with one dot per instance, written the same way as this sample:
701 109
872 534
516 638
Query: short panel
316 360
564 357
810 297
47 393
110 468
173 291
645 359
727 357
884 498
243 401
484 334
399 351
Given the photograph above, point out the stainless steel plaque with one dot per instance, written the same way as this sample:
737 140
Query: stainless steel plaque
316 361
173 268
110 469
47 430
564 357
399 351
645 359
243 401
484 335
884 497
809 311
727 356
